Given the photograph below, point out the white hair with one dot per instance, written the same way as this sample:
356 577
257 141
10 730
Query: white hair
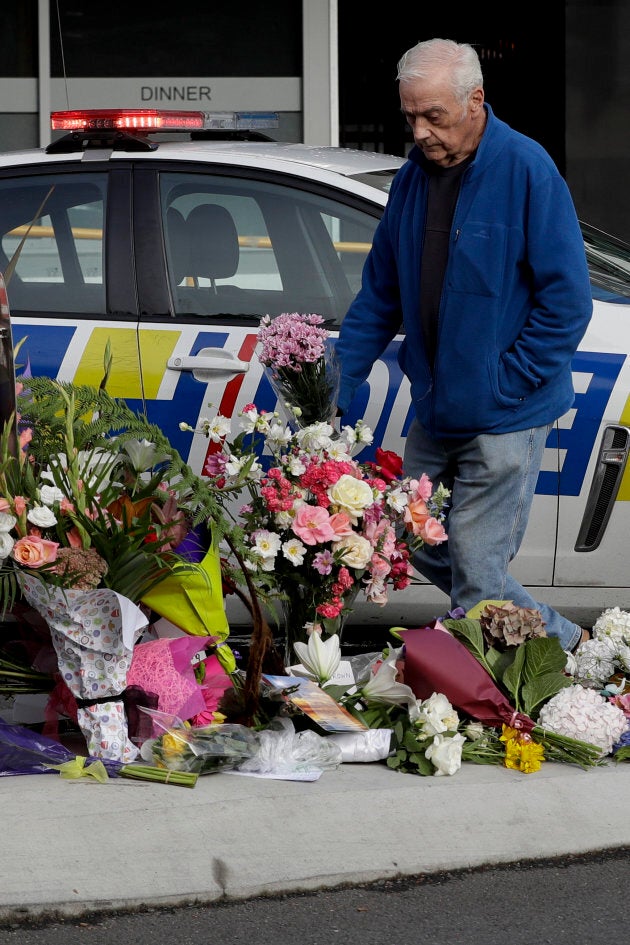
460 60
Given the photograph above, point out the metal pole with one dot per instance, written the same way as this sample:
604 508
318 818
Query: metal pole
43 78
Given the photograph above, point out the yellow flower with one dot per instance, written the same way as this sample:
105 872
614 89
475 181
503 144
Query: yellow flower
521 752
532 757
172 745
512 753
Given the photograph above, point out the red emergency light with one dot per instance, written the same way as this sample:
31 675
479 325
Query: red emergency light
156 119
126 119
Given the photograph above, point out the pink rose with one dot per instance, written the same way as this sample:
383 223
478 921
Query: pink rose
5 505
432 532
33 552
379 566
312 525
341 525
416 514
422 488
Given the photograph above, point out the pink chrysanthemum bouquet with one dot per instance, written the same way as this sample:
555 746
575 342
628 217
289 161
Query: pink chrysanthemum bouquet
301 366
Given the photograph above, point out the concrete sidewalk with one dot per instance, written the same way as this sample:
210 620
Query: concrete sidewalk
73 847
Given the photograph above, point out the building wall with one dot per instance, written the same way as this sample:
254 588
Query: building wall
597 129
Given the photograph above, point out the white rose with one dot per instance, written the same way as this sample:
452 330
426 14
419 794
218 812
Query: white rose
474 731
351 495
283 520
6 544
445 753
42 517
356 551
7 521
436 715
50 494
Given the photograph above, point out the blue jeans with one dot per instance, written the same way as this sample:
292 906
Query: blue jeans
492 479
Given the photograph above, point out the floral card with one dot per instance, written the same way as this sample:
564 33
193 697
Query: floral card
315 703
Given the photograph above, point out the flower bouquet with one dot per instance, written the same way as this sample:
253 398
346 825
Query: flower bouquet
90 517
301 366
318 527
599 705
204 749
443 706
23 751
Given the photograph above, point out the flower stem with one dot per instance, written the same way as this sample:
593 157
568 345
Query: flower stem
158 775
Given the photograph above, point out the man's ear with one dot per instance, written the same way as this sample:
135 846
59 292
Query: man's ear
476 100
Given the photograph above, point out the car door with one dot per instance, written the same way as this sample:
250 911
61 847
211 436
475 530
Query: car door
222 248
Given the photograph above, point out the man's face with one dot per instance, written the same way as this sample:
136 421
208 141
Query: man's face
446 130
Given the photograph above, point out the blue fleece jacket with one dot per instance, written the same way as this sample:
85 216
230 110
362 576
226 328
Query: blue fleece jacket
516 298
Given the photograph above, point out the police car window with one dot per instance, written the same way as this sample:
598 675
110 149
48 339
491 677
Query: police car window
55 223
238 247
609 265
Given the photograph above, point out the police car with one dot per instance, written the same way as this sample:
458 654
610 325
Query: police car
172 250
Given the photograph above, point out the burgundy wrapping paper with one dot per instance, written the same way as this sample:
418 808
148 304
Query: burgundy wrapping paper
435 661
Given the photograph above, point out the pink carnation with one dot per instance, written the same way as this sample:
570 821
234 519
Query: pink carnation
331 610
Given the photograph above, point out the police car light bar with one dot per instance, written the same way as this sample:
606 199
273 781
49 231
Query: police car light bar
153 119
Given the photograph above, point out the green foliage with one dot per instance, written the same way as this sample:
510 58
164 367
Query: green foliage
529 674
536 674
468 632
409 746
97 416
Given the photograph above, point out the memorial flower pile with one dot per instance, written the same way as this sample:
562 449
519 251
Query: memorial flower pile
91 515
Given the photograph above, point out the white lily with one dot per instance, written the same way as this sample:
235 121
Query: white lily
320 658
143 454
383 688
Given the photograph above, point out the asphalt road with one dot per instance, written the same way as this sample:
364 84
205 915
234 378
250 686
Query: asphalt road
576 901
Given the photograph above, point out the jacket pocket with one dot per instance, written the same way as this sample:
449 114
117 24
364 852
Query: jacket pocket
477 259
501 383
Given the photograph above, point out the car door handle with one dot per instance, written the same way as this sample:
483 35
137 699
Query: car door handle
209 364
